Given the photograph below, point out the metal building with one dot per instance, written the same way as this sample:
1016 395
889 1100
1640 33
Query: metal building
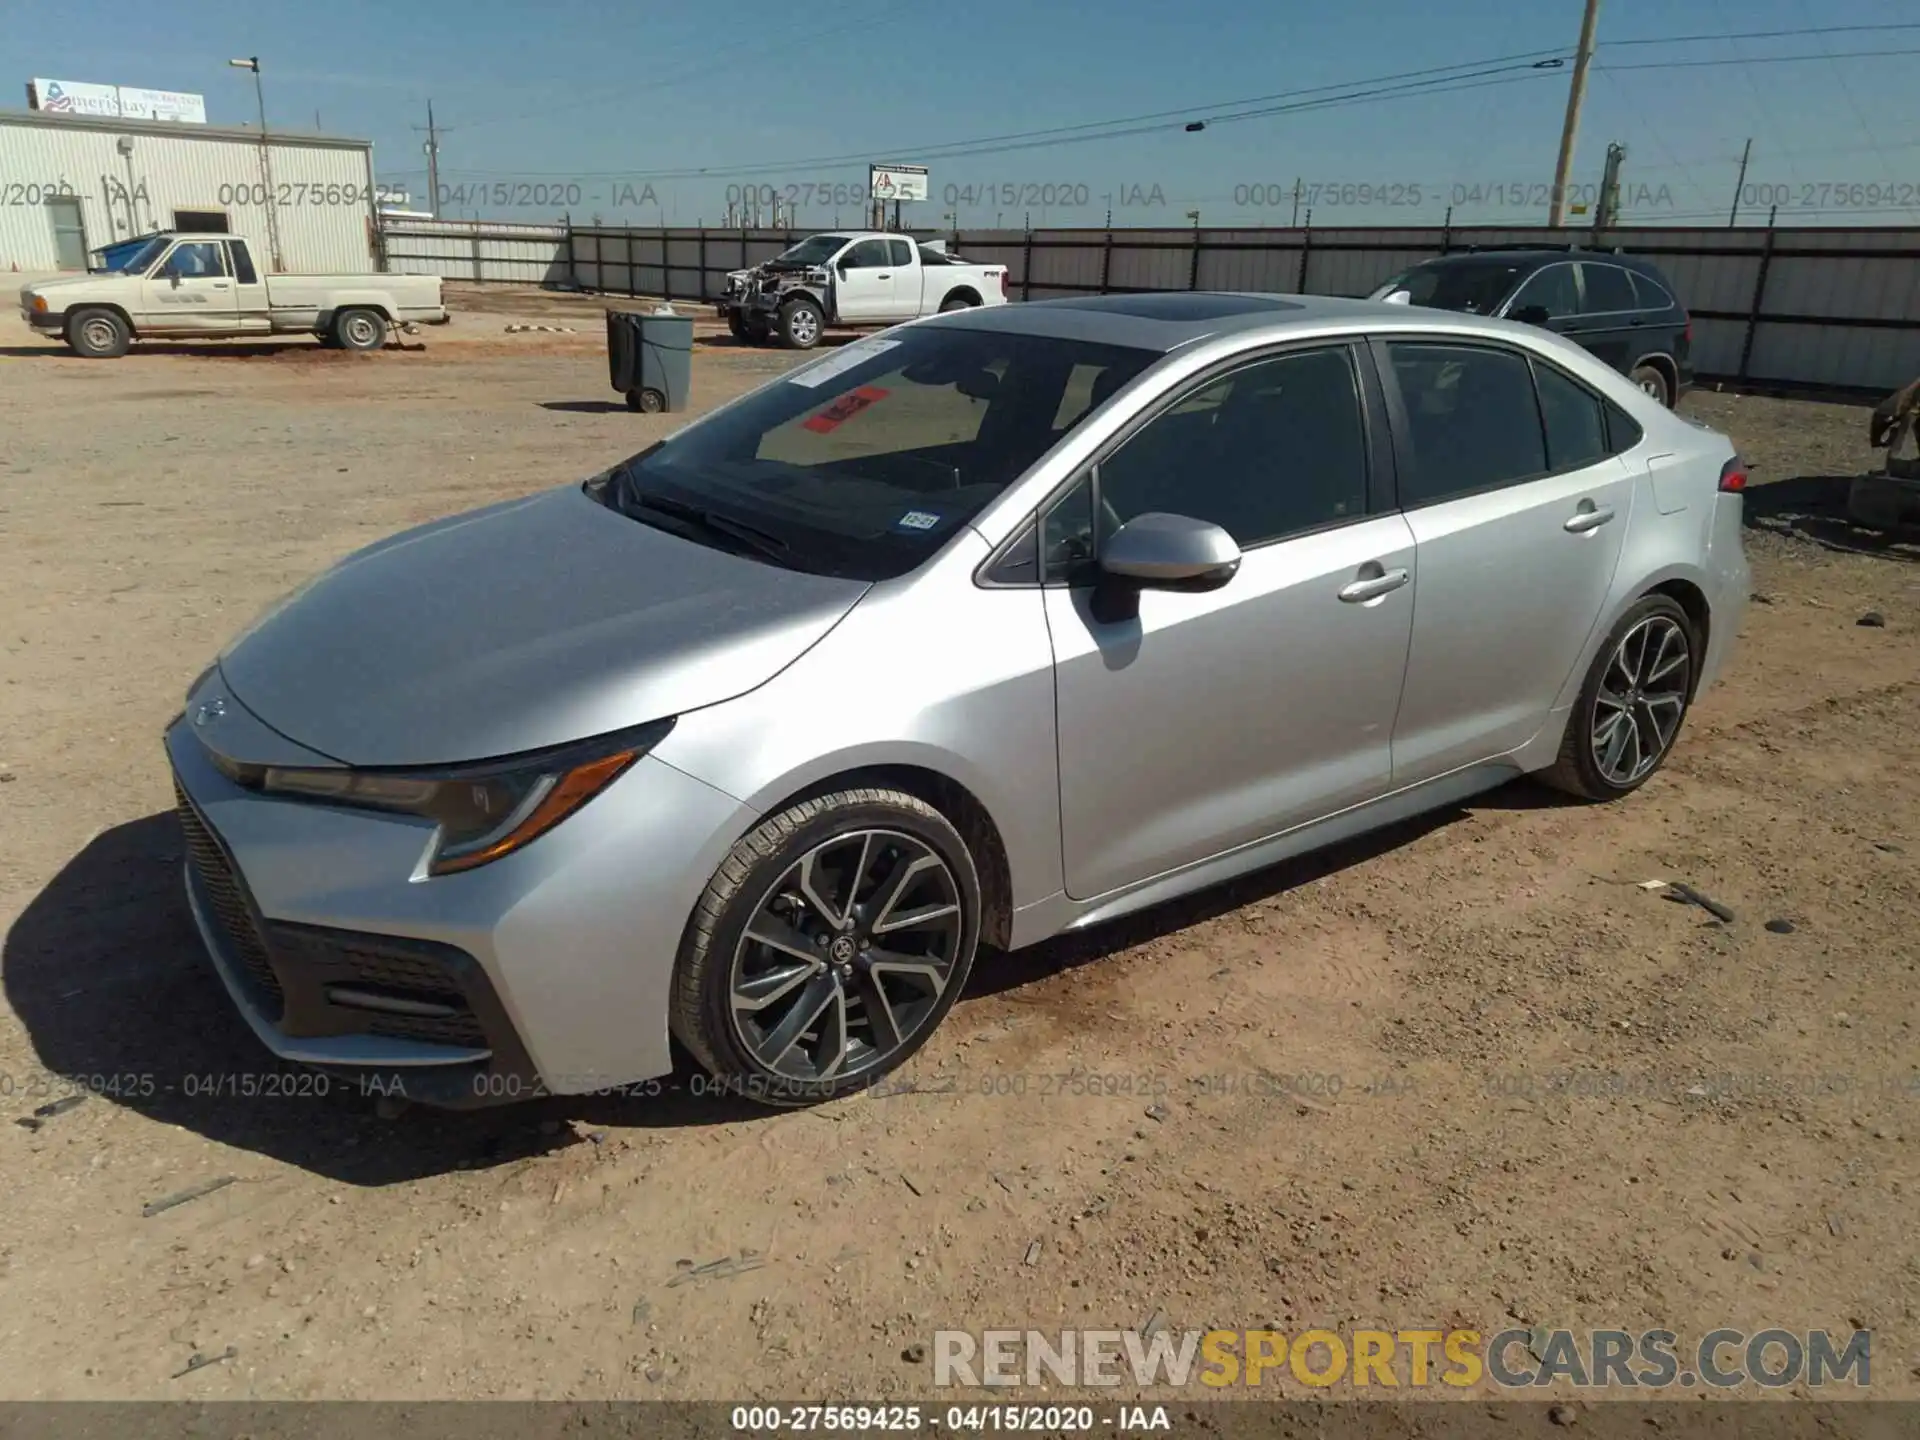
72 184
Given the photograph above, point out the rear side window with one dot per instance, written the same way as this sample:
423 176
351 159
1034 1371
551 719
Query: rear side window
1472 419
902 251
242 263
1623 431
1609 289
1575 418
1651 294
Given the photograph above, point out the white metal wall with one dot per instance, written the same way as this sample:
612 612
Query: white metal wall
319 188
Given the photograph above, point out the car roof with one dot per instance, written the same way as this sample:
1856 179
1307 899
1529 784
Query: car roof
1166 320
1541 256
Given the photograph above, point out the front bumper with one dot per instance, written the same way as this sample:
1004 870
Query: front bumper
43 319
545 972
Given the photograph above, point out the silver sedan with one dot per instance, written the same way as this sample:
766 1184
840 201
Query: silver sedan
988 627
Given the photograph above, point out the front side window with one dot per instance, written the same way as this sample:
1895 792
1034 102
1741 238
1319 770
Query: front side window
866 462
1270 450
194 261
1609 289
868 255
1472 419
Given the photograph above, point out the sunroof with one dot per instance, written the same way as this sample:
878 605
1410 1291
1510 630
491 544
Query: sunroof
1178 306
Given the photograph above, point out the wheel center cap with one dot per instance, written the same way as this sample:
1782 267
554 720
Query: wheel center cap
842 949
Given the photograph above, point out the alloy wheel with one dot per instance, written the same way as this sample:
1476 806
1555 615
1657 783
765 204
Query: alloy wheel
847 956
1642 697
803 327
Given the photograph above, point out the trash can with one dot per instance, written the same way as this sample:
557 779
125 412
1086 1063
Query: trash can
650 358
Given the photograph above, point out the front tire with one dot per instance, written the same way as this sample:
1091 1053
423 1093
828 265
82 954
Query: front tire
801 322
98 334
1653 380
736 327
828 946
1632 704
360 329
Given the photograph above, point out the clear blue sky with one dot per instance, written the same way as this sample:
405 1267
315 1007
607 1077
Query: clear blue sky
580 104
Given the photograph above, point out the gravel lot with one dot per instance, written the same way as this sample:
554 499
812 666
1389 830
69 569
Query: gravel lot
1518 1086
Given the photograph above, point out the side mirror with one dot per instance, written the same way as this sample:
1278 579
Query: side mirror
1531 315
173 278
842 268
1170 552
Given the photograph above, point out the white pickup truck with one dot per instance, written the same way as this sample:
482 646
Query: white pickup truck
857 280
178 287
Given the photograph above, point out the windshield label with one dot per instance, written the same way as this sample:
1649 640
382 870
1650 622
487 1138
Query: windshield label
917 520
841 361
844 409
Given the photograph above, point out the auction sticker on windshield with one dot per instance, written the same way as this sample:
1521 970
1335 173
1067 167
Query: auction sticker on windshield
841 361
844 409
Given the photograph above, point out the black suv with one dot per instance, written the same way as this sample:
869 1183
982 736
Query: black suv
1618 306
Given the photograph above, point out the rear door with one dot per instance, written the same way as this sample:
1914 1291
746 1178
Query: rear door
191 291
863 288
1610 314
251 307
1517 509
908 279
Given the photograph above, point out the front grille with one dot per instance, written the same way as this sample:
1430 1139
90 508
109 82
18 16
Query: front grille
227 898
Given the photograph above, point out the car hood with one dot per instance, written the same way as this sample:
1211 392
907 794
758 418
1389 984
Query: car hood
520 626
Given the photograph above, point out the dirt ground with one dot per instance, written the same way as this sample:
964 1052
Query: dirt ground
1503 1082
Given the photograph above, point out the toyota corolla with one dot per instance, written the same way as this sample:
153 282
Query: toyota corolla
995 625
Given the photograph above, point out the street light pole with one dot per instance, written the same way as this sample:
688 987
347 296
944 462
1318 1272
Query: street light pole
252 62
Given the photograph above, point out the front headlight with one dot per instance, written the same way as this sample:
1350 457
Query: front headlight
483 811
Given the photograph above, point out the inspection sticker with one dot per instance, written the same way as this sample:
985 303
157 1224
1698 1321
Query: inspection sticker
917 520
841 361
844 409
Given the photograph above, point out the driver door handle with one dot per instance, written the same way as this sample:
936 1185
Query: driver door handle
1359 592
1588 519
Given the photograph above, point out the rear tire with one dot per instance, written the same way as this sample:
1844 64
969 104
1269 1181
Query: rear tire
1631 705
98 334
838 883
801 323
955 302
360 329
1653 380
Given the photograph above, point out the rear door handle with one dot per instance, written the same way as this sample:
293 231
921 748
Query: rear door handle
1358 592
1588 518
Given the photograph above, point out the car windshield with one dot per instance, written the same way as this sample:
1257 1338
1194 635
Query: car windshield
814 250
1475 286
866 462
130 257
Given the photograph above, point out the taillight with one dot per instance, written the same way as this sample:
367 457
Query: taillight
1687 334
1733 475
1003 284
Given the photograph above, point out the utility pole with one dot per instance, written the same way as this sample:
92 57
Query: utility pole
1577 93
1607 211
252 62
432 147
1296 203
1740 184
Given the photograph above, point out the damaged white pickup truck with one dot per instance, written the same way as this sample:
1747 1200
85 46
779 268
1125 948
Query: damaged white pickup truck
852 281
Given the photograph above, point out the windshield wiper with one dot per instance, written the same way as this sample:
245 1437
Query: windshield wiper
627 499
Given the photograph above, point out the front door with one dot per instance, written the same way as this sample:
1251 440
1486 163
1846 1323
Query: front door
863 284
191 290
1517 525
1552 289
69 232
1215 719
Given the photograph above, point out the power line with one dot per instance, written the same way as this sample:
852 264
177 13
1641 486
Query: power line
1760 60
1758 34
